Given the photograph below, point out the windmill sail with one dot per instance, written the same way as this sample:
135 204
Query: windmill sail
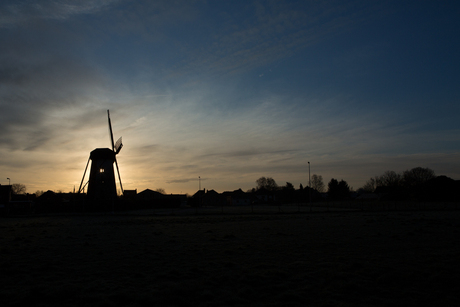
119 177
118 146
110 130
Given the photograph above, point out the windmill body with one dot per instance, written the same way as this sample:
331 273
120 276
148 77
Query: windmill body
101 183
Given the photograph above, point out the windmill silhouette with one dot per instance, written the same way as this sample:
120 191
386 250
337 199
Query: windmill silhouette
101 183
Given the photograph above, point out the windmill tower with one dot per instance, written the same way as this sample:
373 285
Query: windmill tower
101 183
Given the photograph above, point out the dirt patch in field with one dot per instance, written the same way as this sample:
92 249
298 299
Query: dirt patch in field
321 259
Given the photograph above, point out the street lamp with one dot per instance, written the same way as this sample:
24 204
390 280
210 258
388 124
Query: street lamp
309 183
9 181
199 195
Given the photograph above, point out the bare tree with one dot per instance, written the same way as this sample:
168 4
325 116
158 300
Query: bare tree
371 184
317 183
18 188
338 190
161 190
39 193
417 176
289 186
388 179
391 179
266 183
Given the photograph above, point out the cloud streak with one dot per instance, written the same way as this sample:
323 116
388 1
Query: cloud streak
228 92
18 13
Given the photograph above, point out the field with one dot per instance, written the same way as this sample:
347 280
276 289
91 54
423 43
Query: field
341 258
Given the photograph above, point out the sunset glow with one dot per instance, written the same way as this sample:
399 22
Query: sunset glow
228 90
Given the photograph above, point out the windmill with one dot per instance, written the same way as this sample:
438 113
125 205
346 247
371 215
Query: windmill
101 183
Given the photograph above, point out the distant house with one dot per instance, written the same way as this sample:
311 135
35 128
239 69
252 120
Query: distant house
441 188
367 197
228 198
264 196
237 198
5 194
56 197
5 198
212 198
148 195
156 199
55 202
129 194
197 199
180 199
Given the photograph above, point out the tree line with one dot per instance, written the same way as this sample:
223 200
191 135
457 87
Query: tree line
420 184
413 184
407 179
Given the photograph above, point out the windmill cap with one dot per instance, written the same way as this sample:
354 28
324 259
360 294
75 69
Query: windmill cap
102 153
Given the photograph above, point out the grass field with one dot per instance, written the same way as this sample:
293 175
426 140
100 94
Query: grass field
348 258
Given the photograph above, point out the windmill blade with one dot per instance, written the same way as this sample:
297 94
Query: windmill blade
110 128
119 177
83 189
118 146
79 190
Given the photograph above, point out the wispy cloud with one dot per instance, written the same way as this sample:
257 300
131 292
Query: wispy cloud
22 12
185 180
278 30
229 91
32 93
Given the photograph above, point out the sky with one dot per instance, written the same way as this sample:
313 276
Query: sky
221 93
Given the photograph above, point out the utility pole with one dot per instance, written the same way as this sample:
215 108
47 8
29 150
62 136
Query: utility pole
199 195
309 183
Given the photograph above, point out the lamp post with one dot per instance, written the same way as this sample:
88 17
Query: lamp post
309 183
9 181
199 195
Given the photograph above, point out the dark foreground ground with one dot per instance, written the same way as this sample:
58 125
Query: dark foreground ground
318 259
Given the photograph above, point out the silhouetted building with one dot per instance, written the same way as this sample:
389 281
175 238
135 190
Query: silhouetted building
154 199
264 196
5 194
148 195
237 198
101 184
130 194
5 198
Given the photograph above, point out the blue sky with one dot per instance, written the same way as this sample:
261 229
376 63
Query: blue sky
228 90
